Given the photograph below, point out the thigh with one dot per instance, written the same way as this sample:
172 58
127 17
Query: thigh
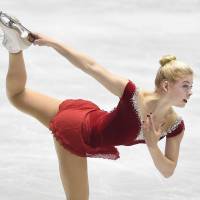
73 173
38 105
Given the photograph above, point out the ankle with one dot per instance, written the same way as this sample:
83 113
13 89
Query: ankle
15 54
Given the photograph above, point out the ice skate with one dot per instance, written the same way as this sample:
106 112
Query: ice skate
15 36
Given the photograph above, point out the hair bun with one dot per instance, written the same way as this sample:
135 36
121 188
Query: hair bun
166 59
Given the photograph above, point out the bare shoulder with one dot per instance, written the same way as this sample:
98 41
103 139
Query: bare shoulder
173 116
171 119
143 96
143 92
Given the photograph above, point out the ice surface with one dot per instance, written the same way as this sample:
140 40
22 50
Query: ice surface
128 38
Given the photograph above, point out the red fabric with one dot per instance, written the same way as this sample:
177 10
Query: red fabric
117 127
87 131
177 131
66 127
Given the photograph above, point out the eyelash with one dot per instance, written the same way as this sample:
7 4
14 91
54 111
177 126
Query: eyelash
187 86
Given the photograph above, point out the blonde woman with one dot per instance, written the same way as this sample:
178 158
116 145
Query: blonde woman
81 129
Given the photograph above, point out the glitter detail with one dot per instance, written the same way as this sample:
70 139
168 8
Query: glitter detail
104 156
175 125
134 101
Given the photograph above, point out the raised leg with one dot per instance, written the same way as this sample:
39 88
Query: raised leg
73 169
37 105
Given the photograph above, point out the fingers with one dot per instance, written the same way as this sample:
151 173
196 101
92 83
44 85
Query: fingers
36 38
31 37
148 123
145 124
151 123
38 42
35 34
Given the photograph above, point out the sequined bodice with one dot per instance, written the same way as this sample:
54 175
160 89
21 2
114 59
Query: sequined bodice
135 102
122 125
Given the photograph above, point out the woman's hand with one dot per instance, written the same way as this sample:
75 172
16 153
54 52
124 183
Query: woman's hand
42 40
151 134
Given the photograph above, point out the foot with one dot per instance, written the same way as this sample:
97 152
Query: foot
16 36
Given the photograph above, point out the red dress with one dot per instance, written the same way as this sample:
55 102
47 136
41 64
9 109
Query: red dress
87 131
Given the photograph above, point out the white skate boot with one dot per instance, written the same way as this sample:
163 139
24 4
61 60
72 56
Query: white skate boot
16 36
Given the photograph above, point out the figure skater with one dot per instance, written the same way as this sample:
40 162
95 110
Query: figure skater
81 129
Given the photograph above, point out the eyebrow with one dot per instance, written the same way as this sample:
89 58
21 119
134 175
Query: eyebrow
186 82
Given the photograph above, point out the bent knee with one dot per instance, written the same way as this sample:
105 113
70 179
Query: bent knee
16 101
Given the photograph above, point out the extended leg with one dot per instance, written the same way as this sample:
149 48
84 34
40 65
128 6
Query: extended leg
16 76
73 169
39 106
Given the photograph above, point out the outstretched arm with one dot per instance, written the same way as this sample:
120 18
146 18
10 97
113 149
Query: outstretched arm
114 83
76 58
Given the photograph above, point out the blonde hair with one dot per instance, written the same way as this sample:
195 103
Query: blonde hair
171 70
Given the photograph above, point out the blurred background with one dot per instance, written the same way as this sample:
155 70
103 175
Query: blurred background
128 37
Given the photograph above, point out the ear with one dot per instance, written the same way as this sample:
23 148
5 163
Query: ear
165 85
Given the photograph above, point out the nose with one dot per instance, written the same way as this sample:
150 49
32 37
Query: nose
190 93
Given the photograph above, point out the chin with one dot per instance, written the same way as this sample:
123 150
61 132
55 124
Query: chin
182 105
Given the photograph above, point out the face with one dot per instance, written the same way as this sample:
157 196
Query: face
181 91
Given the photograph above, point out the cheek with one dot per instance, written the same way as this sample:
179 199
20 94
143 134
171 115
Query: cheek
178 91
176 94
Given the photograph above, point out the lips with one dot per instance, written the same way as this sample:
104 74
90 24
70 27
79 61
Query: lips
185 100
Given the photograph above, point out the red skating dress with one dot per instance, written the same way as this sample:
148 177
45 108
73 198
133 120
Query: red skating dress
87 131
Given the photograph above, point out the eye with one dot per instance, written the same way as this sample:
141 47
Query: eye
187 86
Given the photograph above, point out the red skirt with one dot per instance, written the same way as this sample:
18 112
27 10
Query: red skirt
67 127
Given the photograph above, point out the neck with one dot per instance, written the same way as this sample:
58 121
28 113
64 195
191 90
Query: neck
158 105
